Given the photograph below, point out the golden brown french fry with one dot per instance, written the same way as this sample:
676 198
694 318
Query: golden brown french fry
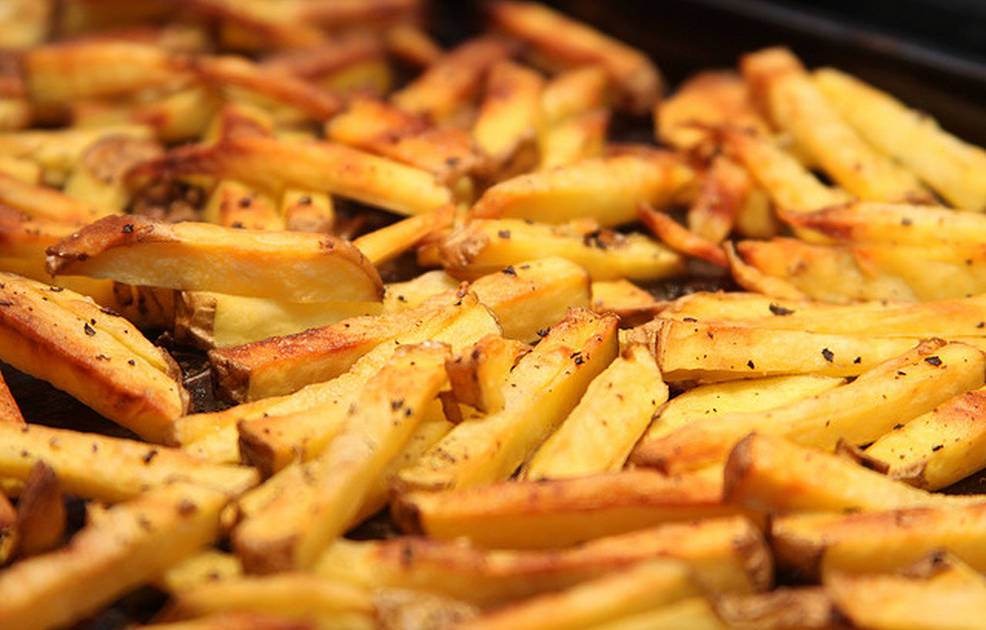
478 374
487 245
290 266
449 84
607 190
611 416
679 238
562 42
756 216
753 279
574 92
633 304
98 357
560 512
400 296
26 238
181 116
938 448
580 137
949 165
8 530
234 621
10 413
233 204
411 44
138 540
42 202
726 555
694 613
509 116
724 189
78 460
631 591
895 391
542 389
307 211
783 608
298 596
40 512
385 244
771 474
98 179
206 566
797 106
294 527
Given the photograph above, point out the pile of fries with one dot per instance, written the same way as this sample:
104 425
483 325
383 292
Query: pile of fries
423 279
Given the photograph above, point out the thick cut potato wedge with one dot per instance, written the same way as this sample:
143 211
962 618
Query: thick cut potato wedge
607 190
136 541
98 357
952 167
558 513
487 245
638 589
294 528
611 416
509 117
561 42
478 374
289 266
895 391
542 389
400 296
726 555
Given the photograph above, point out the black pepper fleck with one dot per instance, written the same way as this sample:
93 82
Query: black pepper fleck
828 355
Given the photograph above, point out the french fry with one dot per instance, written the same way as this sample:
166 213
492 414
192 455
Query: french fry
412 45
945 162
478 374
542 389
756 216
509 116
784 608
234 621
769 473
573 92
631 303
290 266
26 238
724 189
206 566
138 540
98 179
232 204
98 357
8 530
641 588
40 512
385 244
307 211
447 85
858 412
611 416
938 448
298 596
10 413
75 457
560 512
400 296
573 140
274 165
216 320
797 106
484 246
296 526
694 613
726 555
562 42
41 202
607 190
679 238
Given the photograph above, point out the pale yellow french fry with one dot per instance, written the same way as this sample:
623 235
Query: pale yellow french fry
99 178
307 211
805 608
43 203
580 137
509 116
694 613
479 374
704 103
233 204
633 304
385 244
753 279
574 92
206 566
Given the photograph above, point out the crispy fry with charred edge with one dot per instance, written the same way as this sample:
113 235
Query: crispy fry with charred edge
542 389
724 189
383 129
694 613
478 374
952 167
574 92
756 394
40 512
75 457
487 245
307 211
577 138
895 391
44 203
216 320
726 555
294 527
877 542
611 416
449 84
951 597
644 587
98 357
135 542
561 42
290 266
632 304
869 271
560 512
771 474
705 102
273 165
790 185
784 608
299 596
509 116
679 238
607 190
10 413
797 106
8 530
935 450
385 244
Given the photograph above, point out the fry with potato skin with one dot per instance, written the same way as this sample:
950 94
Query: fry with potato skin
291 266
